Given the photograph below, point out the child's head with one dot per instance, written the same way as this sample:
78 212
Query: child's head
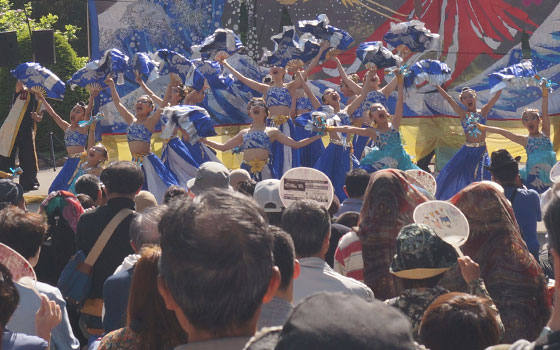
468 97
78 113
256 108
531 119
97 154
378 114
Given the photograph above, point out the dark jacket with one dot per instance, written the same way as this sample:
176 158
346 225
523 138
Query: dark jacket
90 226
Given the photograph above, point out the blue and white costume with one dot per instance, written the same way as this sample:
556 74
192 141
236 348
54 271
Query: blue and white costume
465 167
259 169
387 153
308 155
360 142
157 177
283 157
540 159
338 159
177 158
69 171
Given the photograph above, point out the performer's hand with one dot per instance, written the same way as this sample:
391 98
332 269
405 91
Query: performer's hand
109 81
299 77
36 117
482 127
325 44
95 92
221 56
137 77
39 96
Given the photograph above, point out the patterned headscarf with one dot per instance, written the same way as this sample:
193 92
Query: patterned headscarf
389 202
62 205
513 277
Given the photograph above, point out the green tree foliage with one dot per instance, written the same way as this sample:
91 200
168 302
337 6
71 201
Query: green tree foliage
67 62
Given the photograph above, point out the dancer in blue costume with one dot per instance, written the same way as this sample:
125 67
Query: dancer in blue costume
467 165
376 95
303 101
278 99
157 177
338 158
540 155
175 154
256 142
388 151
93 164
75 139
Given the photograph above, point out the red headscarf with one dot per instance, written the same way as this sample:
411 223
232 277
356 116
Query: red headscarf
513 277
389 202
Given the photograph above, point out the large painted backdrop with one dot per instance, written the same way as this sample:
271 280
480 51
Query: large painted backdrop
477 38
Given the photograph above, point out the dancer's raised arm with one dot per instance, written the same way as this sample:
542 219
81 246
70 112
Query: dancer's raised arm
255 85
399 108
61 123
149 92
487 107
460 111
545 127
128 117
314 101
356 88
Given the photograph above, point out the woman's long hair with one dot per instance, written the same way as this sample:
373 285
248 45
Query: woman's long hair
147 314
513 277
389 202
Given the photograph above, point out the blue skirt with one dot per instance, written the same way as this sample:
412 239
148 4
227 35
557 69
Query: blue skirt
308 155
201 153
335 162
179 160
464 168
284 157
157 177
66 175
536 174
359 143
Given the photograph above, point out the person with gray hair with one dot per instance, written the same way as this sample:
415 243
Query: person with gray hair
143 231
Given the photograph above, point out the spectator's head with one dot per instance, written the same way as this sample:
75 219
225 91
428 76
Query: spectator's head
421 255
460 321
63 210
86 201
309 224
222 241
89 184
247 187
285 259
144 200
174 192
238 175
158 327
348 219
503 167
356 183
122 179
11 193
334 207
9 296
144 227
338 321
210 175
267 195
23 232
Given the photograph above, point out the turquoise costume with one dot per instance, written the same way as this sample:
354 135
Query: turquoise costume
465 167
69 172
283 157
540 159
387 153
259 170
